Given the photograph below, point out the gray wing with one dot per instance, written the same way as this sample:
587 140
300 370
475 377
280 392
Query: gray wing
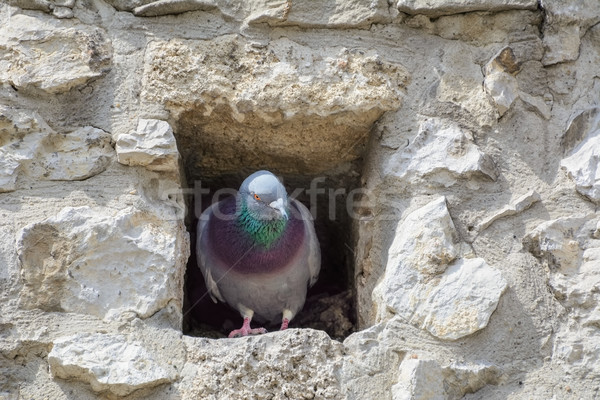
314 250
202 252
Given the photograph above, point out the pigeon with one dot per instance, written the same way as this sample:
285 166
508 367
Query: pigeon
258 252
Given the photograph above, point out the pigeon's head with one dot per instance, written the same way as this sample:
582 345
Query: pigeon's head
264 196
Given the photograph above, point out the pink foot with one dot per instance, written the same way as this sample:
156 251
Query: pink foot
284 324
245 330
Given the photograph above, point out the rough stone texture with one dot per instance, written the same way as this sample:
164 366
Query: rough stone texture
565 25
582 163
457 139
327 13
297 364
249 119
81 261
436 8
152 145
51 55
429 284
29 146
107 362
440 150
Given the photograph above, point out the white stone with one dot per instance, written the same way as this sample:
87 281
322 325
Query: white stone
519 205
419 380
427 283
29 146
152 145
556 242
503 88
102 263
335 13
566 22
294 364
436 8
462 86
107 362
53 55
78 155
582 165
568 247
443 152
537 103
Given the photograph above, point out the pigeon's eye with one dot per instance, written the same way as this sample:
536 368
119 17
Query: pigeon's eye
256 197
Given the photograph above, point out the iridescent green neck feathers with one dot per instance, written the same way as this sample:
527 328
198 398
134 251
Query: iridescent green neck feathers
263 232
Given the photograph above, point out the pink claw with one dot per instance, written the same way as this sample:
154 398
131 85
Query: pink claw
245 330
284 324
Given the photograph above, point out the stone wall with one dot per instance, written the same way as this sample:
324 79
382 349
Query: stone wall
468 129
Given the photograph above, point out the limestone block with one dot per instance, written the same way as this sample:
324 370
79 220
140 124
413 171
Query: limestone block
565 24
427 379
107 362
44 5
103 263
427 281
570 248
500 82
435 8
419 380
294 364
41 52
462 86
165 7
285 105
556 243
152 145
333 13
327 13
442 151
519 205
463 378
582 165
77 155
29 146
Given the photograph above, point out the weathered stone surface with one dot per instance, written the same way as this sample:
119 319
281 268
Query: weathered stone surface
436 8
21 132
329 13
152 145
570 249
555 242
107 362
519 205
419 380
105 264
427 379
332 13
166 7
57 7
77 155
256 100
582 163
500 82
566 23
29 146
462 87
51 55
430 284
266 366
442 152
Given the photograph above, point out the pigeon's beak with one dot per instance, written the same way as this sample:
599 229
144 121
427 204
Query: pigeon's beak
279 206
